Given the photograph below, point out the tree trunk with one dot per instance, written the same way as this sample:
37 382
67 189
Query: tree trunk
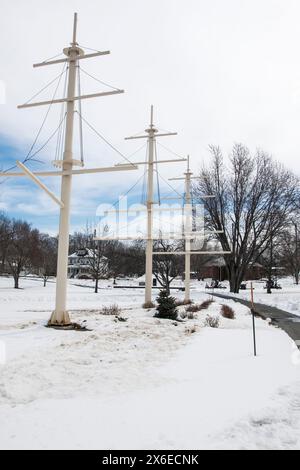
16 279
96 285
2 265
234 284
45 281
236 277
168 287
233 279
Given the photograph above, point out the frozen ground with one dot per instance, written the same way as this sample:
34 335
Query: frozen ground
141 383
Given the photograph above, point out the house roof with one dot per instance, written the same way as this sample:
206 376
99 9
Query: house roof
84 253
217 262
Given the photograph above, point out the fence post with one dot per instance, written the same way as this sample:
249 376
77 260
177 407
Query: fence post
253 320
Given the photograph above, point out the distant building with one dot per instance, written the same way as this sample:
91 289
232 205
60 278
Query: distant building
216 269
80 264
212 269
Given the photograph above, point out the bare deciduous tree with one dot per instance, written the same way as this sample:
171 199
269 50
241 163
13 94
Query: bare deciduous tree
5 238
96 258
46 257
254 197
167 268
289 251
22 248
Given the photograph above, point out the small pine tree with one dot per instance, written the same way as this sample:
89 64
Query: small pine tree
166 306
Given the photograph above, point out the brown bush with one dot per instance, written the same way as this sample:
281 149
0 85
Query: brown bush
227 312
206 304
194 308
180 303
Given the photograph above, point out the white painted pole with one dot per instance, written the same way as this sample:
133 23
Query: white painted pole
188 229
60 316
151 135
149 248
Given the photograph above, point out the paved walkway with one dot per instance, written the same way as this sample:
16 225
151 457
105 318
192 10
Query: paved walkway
286 321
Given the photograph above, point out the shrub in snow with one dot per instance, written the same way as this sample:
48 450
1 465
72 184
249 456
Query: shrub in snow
206 304
194 308
187 315
212 321
180 303
166 307
111 310
227 312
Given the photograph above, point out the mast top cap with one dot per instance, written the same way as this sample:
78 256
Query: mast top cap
151 129
68 50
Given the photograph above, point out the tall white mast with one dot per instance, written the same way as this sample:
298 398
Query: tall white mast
60 315
188 229
149 247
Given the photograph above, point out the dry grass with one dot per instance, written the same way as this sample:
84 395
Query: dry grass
113 309
212 321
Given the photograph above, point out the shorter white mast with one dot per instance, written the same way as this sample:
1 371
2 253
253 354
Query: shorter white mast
152 134
188 234
188 225
188 229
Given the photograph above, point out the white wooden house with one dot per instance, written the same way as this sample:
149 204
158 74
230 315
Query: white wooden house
80 265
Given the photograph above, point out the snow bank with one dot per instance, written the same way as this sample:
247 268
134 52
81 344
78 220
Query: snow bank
143 383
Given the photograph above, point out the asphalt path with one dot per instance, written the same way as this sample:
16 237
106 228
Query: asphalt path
286 321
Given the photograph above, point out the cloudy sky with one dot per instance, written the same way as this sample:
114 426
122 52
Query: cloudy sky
217 71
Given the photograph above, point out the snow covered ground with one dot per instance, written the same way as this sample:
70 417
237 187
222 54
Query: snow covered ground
142 383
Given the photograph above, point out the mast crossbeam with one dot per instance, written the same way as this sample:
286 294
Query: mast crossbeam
70 100
68 59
